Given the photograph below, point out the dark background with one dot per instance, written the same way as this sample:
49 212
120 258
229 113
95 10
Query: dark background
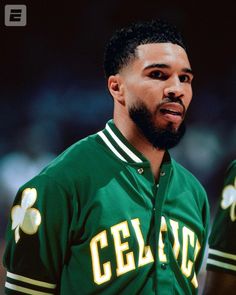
53 91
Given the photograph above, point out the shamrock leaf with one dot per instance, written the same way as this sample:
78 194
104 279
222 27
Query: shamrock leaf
229 199
24 217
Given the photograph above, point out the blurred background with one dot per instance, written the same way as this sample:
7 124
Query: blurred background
53 91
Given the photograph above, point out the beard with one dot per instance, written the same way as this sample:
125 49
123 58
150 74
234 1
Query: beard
160 137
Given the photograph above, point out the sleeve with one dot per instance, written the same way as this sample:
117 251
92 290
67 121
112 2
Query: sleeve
222 240
37 237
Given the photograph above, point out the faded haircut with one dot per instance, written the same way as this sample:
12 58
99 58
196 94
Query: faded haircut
121 47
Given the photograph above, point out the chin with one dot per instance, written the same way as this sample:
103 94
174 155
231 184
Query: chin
162 134
168 125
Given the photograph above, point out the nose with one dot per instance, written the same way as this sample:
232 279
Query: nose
174 88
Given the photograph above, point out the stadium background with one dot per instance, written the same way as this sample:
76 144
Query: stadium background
53 91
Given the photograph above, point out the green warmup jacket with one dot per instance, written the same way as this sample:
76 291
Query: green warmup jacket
95 222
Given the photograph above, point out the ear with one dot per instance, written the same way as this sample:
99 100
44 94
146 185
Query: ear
116 88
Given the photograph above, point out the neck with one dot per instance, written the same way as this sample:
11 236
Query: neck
130 131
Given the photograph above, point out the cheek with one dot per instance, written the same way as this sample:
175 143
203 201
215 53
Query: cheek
134 94
188 98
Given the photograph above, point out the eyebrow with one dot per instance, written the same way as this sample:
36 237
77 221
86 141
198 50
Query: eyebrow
165 66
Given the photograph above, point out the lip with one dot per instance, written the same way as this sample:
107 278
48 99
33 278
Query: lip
172 109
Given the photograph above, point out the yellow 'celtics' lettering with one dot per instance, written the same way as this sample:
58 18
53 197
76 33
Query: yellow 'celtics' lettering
120 248
187 265
99 278
145 253
196 251
175 230
162 255
102 272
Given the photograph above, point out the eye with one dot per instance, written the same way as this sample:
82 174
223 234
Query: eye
185 79
157 75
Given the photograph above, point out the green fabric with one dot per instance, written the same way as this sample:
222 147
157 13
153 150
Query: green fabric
100 224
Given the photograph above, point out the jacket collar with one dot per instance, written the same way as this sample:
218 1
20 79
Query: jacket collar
119 145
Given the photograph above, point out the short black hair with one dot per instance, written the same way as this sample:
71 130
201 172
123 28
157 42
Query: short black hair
122 45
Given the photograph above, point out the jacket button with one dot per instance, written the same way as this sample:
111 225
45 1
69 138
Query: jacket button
163 266
140 170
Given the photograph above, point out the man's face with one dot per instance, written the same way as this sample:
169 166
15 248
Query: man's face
158 91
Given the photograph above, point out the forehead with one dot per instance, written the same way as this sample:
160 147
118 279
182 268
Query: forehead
167 53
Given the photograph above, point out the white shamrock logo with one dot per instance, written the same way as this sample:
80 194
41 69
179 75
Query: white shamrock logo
229 199
25 217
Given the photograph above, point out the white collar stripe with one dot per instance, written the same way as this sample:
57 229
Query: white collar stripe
111 147
122 146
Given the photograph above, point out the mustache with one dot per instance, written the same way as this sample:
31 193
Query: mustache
175 99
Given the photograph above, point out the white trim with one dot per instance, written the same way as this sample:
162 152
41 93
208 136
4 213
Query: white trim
222 254
221 264
123 146
25 290
30 281
111 147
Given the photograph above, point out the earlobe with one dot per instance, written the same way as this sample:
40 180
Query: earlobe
116 88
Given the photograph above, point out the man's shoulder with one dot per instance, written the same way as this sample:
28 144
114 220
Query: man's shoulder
76 155
78 150
182 169
74 160
186 176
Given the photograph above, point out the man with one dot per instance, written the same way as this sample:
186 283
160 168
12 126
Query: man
114 214
221 262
